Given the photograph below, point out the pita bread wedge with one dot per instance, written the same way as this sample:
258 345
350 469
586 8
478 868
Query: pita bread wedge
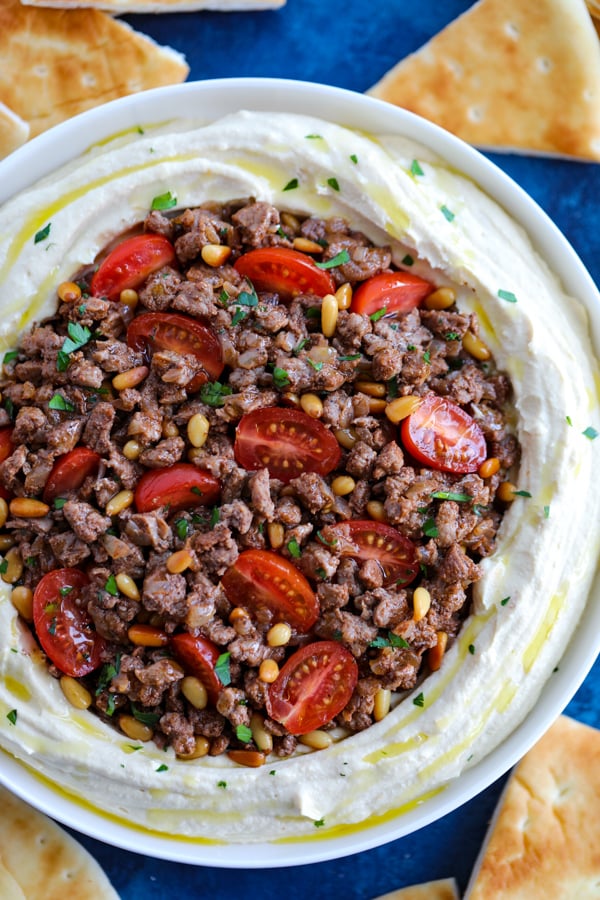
13 131
444 889
509 75
160 6
545 838
594 7
57 63
41 860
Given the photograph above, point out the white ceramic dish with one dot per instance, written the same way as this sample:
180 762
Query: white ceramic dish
207 101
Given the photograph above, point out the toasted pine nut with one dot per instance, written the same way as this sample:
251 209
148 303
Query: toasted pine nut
377 405
401 407
381 704
251 758
119 502
371 388
475 346
14 566
127 586
506 492
238 612
215 254
329 315
291 399
343 485
290 220
69 292
276 534
22 600
376 510
170 430
179 561
317 739
131 378
135 729
6 542
346 437
77 695
129 298
132 450
268 671
3 512
421 603
194 692
28 508
436 654
279 634
343 296
443 298
489 467
312 405
147 636
197 430
261 737
304 245
201 748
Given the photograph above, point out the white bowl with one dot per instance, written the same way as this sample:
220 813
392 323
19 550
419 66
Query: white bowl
207 101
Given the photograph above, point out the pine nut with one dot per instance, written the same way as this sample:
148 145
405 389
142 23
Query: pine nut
343 485
197 430
329 315
132 450
129 298
28 508
14 566
69 292
304 245
316 740
147 636
77 695
443 298
279 635
435 654
127 586
376 510
215 255
291 399
381 704
343 296
22 600
489 467
6 542
3 512
506 492
312 405
201 748
261 737
179 561
377 405
290 220
402 407
170 430
276 534
131 378
421 603
240 619
135 729
251 758
371 388
346 437
268 671
475 346
119 502
194 692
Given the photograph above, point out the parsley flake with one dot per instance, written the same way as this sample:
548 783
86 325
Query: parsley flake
62 361
294 549
247 298
354 158
419 700
324 540
146 718
378 314
222 784
507 295
213 393
281 379
42 234
243 733
415 168
472 649
350 358
162 768
430 528
317 366
300 346
214 517
9 357
521 493
239 315
12 716
319 823
447 213
222 670
59 402
568 420
450 495
504 601
182 527
452 336
338 260
408 260
333 183
60 502
164 201
546 512
111 586
590 433
291 185
313 137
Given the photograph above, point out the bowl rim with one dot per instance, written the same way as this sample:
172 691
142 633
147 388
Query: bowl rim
211 99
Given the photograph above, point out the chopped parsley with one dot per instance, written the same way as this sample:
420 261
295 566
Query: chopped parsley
415 168
354 158
42 234
317 366
521 493
111 586
505 601
452 336
319 823
378 314
12 716
146 718
427 356
291 185
590 433
338 260
546 512
447 213
392 640
313 137
222 784
324 540
450 495
247 298
294 549
164 201
182 527
472 649
107 673
63 591
300 346
507 295
333 183
59 502
419 700
321 572
62 361
3 566
243 733
9 357
78 337
238 315
59 402
214 517
162 768
568 420
281 378
222 669
350 358
408 260
430 528
213 393
223 297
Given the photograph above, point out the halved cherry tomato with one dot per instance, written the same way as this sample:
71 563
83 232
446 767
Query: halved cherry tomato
364 539
261 580
70 471
172 331
198 657
130 264
285 272
64 630
442 435
287 441
314 685
6 449
181 486
396 292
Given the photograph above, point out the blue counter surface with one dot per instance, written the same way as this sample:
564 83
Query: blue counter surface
351 45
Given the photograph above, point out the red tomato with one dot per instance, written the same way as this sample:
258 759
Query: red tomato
364 539
397 292
6 450
198 657
260 580
441 435
130 264
179 487
285 272
70 471
64 630
287 441
172 331
314 685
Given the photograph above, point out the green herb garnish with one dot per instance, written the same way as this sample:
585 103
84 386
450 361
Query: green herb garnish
162 768
12 716
430 528
507 295
182 527
415 168
471 649
447 213
333 183
300 346
59 402
243 733
111 586
9 357
281 378
590 433
521 493
319 823
222 669
324 540
378 314
60 502
222 784
338 260
450 495
146 718
239 315
350 358
164 201
505 601
291 185
213 393
354 158
419 700
408 260
294 548
317 366
42 234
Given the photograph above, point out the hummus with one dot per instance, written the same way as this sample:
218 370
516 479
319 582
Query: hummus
534 587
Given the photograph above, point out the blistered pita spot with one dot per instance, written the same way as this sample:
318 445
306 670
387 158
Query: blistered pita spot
544 64
455 67
475 113
88 80
512 30
40 70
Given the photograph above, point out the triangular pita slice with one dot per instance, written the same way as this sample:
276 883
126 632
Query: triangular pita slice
160 6
13 131
594 7
45 862
57 63
545 838
444 889
509 75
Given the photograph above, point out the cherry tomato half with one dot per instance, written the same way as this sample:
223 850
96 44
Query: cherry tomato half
182 486
397 292
70 471
285 272
64 630
199 656
172 331
364 539
6 449
287 441
130 264
314 685
260 580
440 434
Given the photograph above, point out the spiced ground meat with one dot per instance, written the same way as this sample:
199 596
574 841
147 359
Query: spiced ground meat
93 413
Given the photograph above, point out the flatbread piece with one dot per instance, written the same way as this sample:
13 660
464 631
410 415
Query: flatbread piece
57 63
160 6
508 75
545 839
13 131
444 889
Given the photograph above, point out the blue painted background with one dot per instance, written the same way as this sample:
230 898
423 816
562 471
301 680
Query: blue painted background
351 44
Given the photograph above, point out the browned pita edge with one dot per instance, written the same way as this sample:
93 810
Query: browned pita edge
508 75
160 6
594 7
544 840
444 889
13 131
57 63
